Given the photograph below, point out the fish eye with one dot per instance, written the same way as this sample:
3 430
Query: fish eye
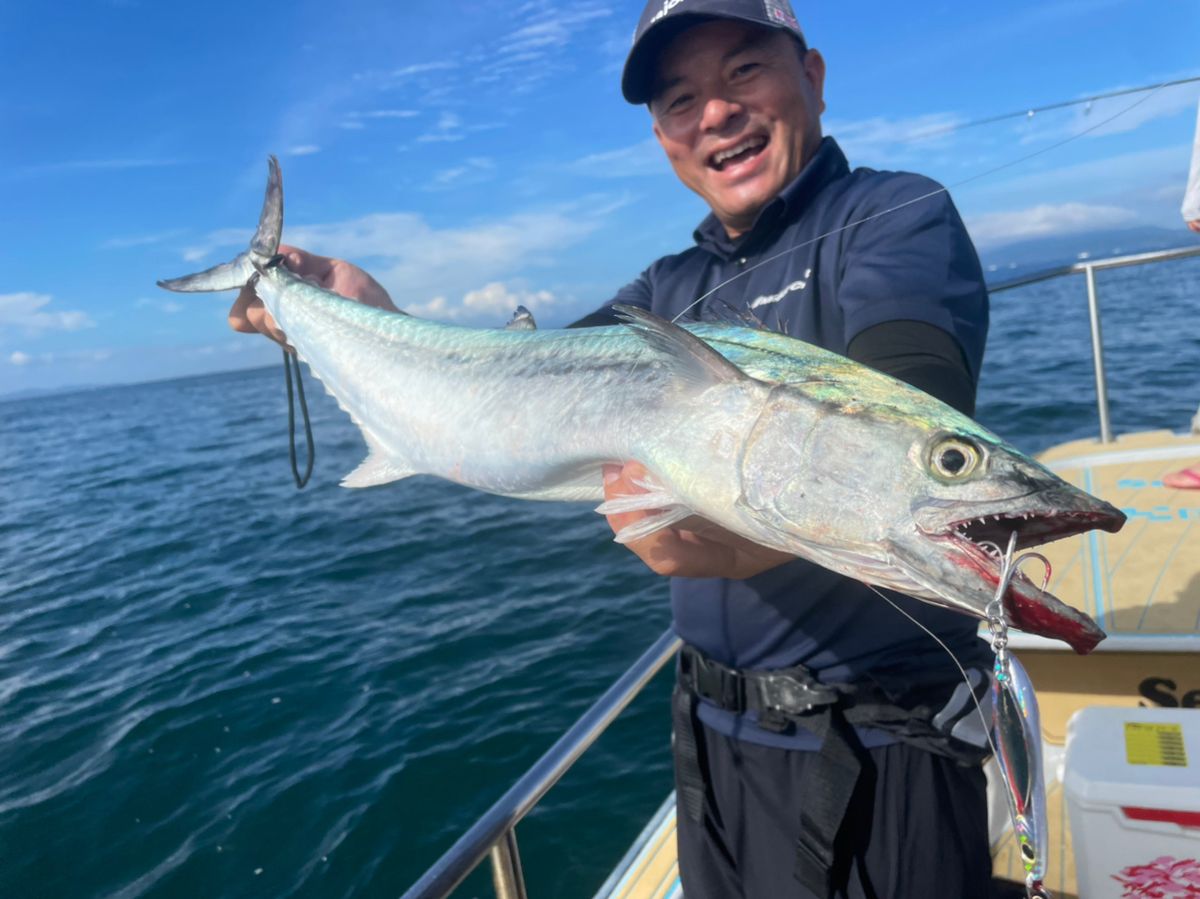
954 458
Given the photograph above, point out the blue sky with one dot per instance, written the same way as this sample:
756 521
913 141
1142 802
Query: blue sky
476 155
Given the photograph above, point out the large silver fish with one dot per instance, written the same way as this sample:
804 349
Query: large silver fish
788 445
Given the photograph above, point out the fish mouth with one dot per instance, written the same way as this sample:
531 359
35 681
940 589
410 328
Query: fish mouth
977 544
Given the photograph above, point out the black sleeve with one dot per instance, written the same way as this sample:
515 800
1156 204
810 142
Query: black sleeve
919 354
602 316
636 293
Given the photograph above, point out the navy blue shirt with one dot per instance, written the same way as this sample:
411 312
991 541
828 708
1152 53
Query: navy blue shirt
836 253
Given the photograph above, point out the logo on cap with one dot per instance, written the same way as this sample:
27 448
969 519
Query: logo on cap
667 6
779 11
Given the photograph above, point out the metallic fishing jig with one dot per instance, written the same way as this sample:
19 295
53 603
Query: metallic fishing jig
1017 733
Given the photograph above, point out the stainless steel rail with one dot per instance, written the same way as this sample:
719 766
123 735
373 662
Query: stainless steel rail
1089 267
495 832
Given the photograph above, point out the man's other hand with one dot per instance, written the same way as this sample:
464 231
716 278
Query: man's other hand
693 548
249 316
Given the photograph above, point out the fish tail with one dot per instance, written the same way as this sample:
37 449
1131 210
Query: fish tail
242 269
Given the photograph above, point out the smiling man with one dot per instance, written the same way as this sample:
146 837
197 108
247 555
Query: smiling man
825 745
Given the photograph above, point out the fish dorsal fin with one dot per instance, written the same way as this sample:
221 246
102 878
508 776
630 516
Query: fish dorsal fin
380 466
522 320
691 357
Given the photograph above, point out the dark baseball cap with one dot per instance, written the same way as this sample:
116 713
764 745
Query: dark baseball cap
664 19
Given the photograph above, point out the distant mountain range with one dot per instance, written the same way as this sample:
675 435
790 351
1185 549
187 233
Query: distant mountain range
1028 256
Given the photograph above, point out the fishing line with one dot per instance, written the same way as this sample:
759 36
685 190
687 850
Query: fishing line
1034 110
1010 567
987 731
300 480
1149 92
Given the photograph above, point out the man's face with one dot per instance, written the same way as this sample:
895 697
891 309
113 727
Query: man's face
738 113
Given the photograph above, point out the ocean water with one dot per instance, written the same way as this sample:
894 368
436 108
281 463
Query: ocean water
212 684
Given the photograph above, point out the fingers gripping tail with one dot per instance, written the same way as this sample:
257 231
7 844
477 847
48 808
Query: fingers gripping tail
241 270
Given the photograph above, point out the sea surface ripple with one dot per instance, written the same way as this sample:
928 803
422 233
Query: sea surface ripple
214 684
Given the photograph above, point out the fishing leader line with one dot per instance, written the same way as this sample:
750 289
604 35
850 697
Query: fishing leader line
1148 90
998 627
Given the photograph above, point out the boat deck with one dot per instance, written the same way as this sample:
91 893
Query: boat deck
650 869
1142 585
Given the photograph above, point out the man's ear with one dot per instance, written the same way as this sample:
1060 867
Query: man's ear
814 71
661 138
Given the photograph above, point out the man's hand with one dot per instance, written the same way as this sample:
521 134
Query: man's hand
1194 224
693 548
249 316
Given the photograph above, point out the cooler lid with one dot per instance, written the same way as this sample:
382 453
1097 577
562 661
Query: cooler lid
1144 758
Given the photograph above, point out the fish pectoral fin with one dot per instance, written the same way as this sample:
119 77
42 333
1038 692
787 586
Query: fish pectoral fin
377 468
692 359
665 509
644 527
655 498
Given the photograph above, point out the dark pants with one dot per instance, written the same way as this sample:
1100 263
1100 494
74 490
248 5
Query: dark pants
916 827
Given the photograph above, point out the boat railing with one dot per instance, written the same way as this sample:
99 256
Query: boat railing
494 833
1088 268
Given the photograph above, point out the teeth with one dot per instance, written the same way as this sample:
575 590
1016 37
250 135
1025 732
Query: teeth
745 145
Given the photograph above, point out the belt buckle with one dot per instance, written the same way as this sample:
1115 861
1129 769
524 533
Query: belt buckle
785 694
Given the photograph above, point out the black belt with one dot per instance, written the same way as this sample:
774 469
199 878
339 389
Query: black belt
793 696
777 697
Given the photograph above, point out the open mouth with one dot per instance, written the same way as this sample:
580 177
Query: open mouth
743 150
982 541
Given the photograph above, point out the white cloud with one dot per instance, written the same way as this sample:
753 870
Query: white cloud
449 127
472 171
303 150
97 165
1114 115
357 120
493 303
998 228
418 262
27 312
19 358
643 158
141 240
537 48
877 140
1086 179
421 68
386 114
225 237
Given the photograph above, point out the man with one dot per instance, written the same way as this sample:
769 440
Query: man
844 781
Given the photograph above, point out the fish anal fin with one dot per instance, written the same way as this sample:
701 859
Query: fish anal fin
380 466
377 469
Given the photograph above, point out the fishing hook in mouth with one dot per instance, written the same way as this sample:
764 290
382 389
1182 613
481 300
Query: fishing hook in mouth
1010 566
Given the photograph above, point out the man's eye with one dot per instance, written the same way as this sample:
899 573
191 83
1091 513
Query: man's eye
678 103
744 69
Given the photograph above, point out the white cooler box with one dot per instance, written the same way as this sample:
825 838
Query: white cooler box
1132 786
